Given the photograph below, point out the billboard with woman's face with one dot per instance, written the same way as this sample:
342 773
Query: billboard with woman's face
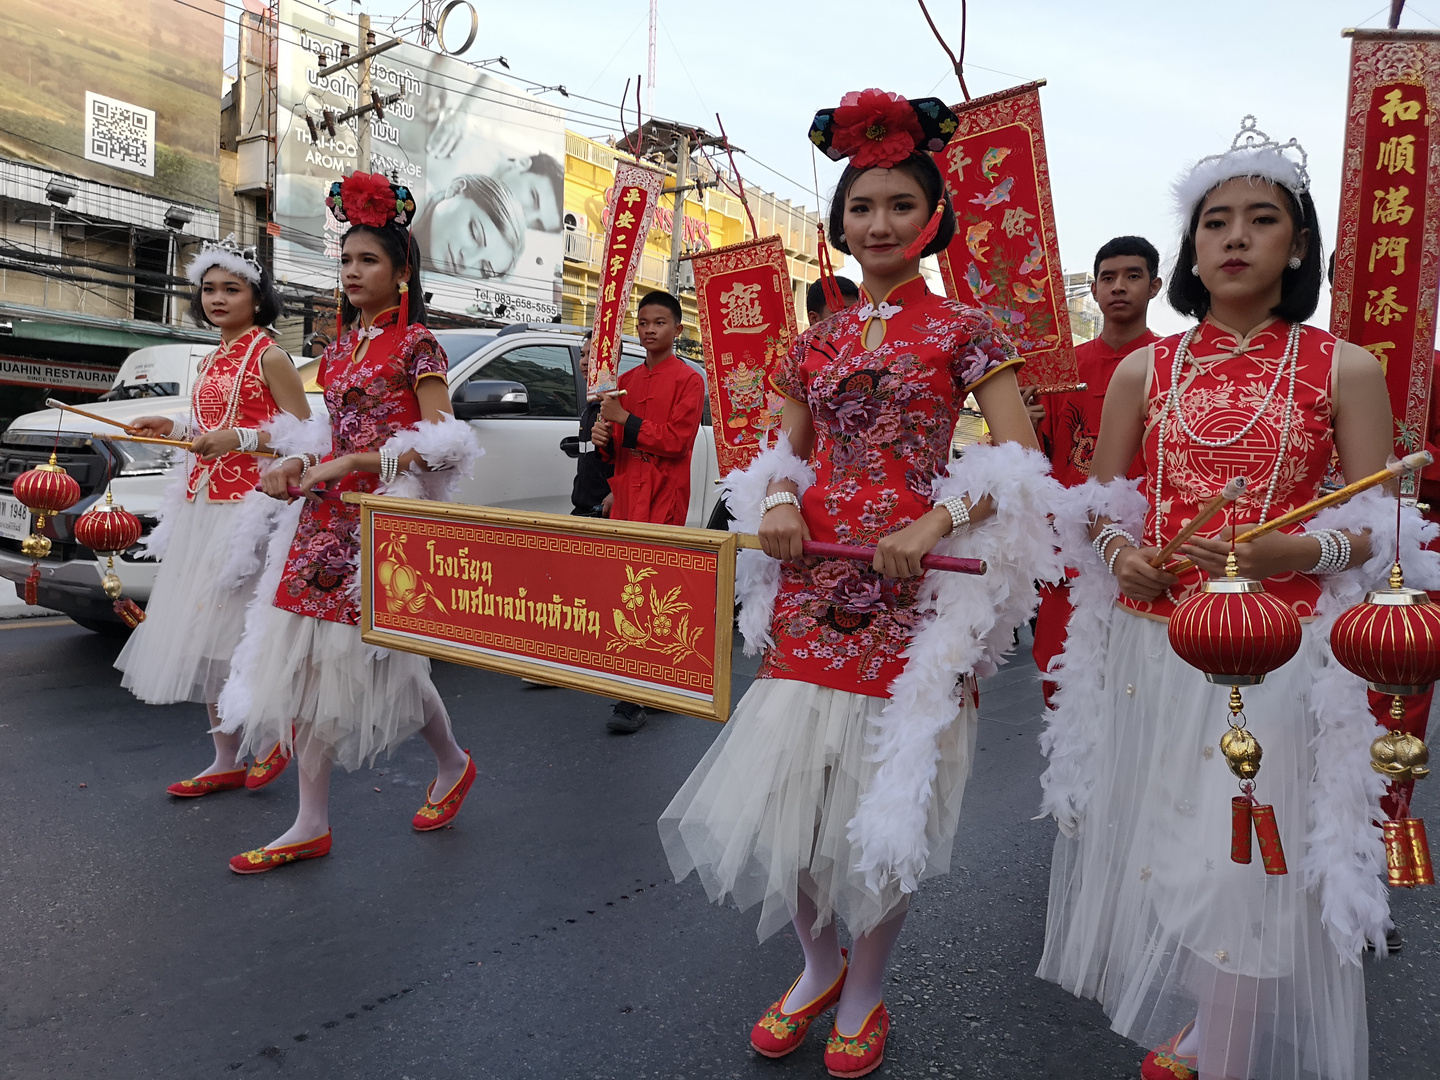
484 159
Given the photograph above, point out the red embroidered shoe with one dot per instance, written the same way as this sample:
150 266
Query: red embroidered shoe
857 1055
207 785
1165 1062
436 815
267 768
779 1032
268 858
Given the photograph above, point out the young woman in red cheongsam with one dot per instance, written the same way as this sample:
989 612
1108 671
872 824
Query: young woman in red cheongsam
214 524
837 783
302 661
1229 970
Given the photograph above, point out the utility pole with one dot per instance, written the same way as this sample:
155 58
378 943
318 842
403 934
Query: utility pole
677 227
367 40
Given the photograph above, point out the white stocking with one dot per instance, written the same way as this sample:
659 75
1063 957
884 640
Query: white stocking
437 733
227 746
865 985
822 951
1226 1027
313 817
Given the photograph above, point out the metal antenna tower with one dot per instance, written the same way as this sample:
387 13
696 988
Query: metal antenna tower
650 73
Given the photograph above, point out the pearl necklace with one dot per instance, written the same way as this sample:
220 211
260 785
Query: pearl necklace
1289 363
232 405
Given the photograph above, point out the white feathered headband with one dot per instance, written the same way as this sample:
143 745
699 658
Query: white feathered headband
1251 153
229 255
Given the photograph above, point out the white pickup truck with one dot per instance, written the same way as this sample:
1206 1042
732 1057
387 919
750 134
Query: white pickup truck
519 389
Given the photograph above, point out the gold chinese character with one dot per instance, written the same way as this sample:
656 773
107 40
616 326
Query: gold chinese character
610 293
605 344
958 160
617 263
1396 154
1014 221
1396 109
1381 351
1382 307
1390 247
625 220
740 310
631 196
1390 208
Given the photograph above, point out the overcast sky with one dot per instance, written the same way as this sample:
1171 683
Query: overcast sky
1135 91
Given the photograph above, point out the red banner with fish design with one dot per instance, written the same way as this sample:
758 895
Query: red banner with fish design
1005 258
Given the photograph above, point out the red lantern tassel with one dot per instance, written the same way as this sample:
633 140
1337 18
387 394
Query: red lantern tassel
1398 871
405 301
32 585
1272 854
1422 872
918 245
834 299
1240 828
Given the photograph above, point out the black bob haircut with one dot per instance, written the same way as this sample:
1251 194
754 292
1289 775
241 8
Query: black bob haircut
402 250
815 294
922 169
1136 246
1299 289
663 299
264 297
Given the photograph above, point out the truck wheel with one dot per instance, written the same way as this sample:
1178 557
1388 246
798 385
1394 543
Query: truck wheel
108 627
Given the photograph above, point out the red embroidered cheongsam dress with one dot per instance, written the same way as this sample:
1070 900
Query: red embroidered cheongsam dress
369 400
1223 383
884 419
230 392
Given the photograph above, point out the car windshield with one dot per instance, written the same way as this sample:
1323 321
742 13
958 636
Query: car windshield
133 391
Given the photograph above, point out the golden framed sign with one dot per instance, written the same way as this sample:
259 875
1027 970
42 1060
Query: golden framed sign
629 610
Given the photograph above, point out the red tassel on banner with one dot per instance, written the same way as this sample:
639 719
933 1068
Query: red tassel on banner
918 245
32 583
1240 828
834 300
1272 854
405 300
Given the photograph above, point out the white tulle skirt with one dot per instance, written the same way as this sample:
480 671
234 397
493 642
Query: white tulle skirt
775 792
193 622
1149 915
355 700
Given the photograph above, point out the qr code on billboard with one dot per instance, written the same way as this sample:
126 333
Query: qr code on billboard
119 134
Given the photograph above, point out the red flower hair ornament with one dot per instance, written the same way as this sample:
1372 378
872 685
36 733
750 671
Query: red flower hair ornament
370 199
881 129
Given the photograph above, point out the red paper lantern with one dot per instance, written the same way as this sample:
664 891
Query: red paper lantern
44 490
107 529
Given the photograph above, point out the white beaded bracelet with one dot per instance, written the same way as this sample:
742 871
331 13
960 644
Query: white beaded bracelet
959 512
1108 533
780 498
1334 552
1110 562
389 466
249 440
180 430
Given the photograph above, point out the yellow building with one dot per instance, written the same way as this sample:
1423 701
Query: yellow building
714 217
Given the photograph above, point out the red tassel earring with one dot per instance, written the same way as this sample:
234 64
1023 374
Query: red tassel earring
339 317
834 299
405 300
921 242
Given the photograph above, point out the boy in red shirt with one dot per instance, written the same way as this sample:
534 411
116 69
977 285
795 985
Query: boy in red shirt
649 433
1126 280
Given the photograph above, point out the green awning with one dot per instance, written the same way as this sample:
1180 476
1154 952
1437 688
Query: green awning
38 324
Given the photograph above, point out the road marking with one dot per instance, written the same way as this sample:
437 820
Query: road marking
21 624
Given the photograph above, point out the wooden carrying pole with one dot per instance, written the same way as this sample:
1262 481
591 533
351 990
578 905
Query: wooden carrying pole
1409 463
53 404
866 554
1231 491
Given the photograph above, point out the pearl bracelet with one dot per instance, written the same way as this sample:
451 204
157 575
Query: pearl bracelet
389 466
780 498
959 512
249 440
1108 533
1334 552
180 430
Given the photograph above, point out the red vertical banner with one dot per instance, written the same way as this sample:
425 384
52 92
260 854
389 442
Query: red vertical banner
1387 252
632 208
1005 257
747 322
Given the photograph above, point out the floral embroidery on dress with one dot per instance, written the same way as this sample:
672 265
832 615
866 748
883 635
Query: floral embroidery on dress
369 400
884 420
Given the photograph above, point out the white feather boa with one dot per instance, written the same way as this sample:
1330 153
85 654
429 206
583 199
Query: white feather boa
1344 857
1076 725
291 435
757 576
449 448
972 620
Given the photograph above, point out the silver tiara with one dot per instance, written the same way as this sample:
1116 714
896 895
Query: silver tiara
1251 153
241 261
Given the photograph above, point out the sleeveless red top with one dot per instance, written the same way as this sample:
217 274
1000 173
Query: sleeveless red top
229 392
1223 384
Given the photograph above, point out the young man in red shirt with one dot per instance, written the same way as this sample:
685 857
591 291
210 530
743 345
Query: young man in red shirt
648 431
1126 280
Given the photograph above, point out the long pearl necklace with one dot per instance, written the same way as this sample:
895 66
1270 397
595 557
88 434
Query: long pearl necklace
232 405
1289 362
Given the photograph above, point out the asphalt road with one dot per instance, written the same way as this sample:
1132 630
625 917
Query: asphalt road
540 937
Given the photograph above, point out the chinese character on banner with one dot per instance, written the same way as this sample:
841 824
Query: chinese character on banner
637 189
1388 248
747 323
1005 258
